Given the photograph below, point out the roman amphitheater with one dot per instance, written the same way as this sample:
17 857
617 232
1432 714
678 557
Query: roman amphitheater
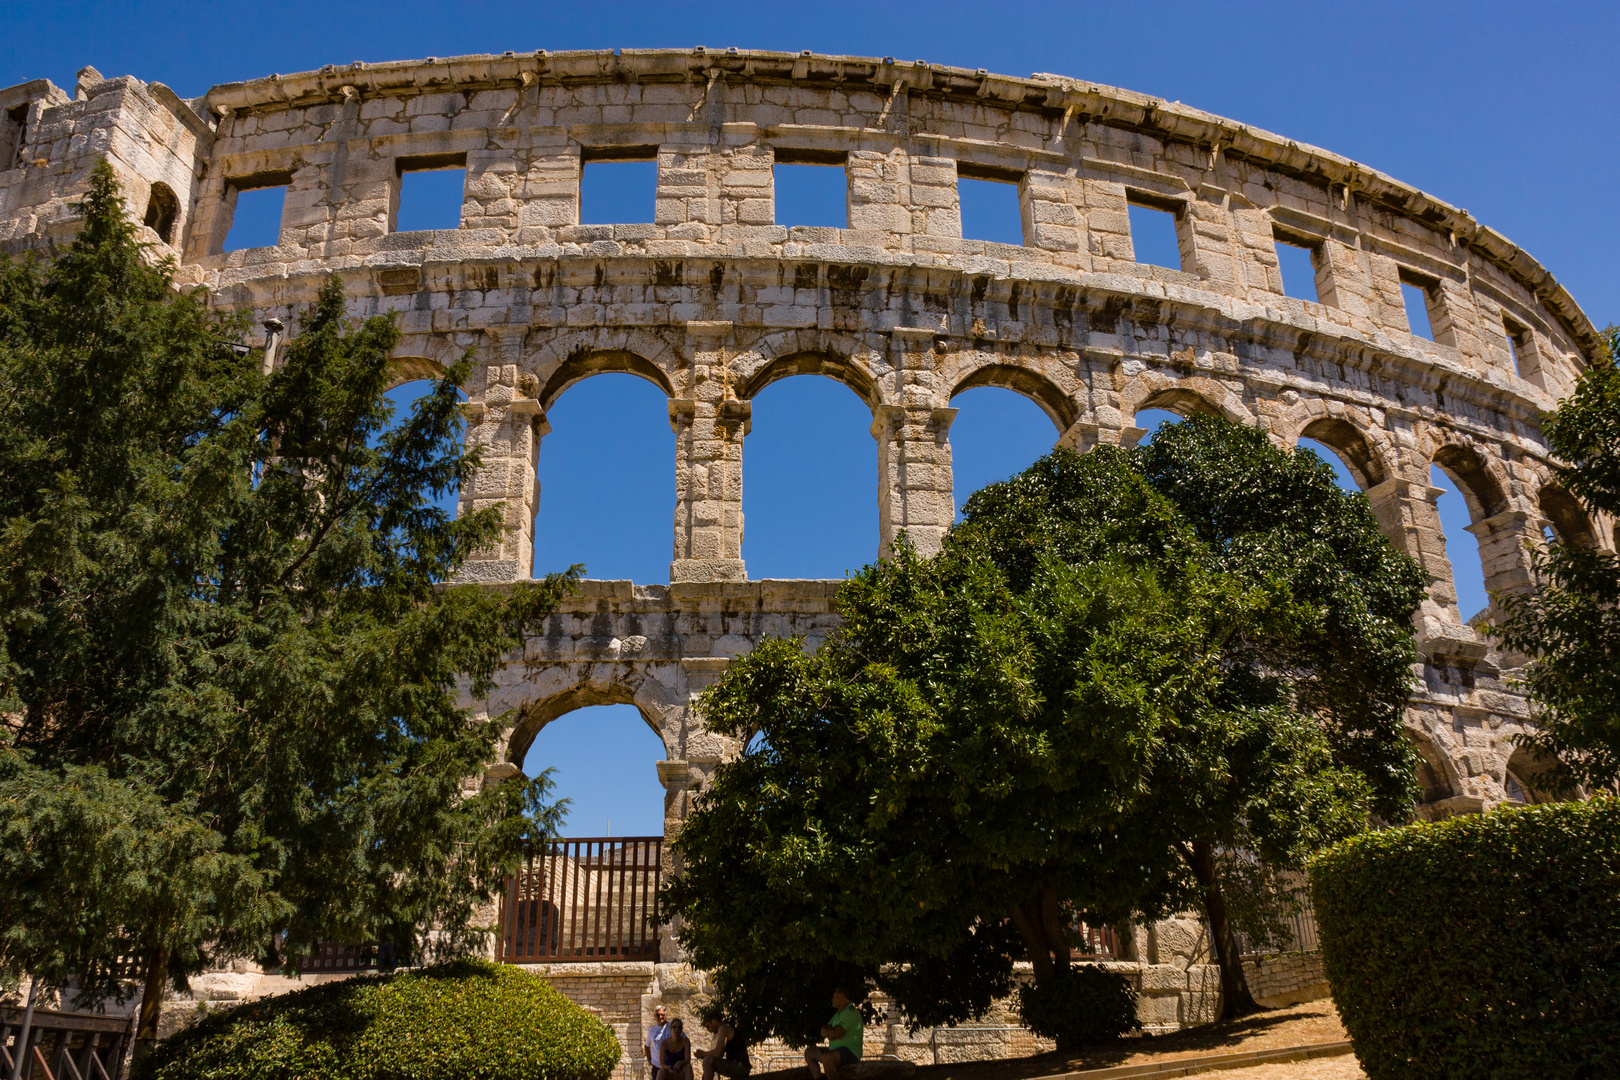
713 300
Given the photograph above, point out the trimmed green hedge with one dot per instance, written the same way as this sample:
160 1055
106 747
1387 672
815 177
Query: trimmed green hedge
465 1020
1485 947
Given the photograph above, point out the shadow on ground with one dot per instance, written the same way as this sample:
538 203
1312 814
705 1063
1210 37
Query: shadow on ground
1298 1025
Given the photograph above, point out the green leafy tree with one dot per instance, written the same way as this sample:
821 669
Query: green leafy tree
1127 676
230 667
1570 624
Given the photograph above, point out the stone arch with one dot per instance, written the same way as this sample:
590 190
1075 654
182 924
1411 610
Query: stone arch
1436 773
582 365
1353 448
1058 406
1195 395
560 361
1481 488
1523 777
404 369
579 694
162 211
1569 522
839 368
847 358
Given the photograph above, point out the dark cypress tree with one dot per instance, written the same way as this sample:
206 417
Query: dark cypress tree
230 666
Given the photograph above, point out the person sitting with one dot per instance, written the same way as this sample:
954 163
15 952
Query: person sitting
677 1050
844 1039
729 1054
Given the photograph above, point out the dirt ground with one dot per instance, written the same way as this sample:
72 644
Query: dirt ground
1335 1068
1297 1025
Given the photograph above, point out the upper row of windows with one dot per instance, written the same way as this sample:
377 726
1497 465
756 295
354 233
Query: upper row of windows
430 196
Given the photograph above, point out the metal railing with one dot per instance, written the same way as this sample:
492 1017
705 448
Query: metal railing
64 1045
590 899
1098 943
329 956
1300 934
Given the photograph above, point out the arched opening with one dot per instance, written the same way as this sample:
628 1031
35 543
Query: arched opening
1178 400
162 210
808 460
1342 475
998 432
1468 495
583 363
590 891
404 398
1434 778
1567 522
1150 421
1525 779
604 761
1349 453
831 365
606 470
1058 406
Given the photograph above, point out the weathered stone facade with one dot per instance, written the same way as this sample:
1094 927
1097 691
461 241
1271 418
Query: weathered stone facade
712 301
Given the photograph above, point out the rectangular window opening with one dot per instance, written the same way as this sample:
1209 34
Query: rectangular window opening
1418 294
1297 259
255 204
988 200
15 134
1520 346
429 193
1155 237
618 185
811 193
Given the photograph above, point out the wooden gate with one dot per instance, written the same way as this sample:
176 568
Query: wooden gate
591 899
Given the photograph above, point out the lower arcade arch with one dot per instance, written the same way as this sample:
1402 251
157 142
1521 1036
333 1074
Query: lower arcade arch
1436 775
604 748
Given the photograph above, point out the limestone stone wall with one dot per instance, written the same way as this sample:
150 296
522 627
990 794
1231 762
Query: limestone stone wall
714 300
1282 979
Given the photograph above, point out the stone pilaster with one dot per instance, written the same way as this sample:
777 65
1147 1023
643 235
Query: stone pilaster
1407 513
709 424
506 425
914 455
1503 540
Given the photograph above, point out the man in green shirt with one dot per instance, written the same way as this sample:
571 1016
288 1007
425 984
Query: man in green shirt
843 1034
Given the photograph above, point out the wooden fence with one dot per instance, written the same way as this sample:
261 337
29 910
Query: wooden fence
591 899
64 1045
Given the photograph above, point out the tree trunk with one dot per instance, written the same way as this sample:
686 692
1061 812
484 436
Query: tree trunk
1235 997
157 972
1038 924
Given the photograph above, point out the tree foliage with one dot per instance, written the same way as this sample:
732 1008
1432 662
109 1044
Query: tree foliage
1570 624
230 667
1122 669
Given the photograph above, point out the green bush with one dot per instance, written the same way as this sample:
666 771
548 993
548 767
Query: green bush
1485 947
1082 1004
457 1021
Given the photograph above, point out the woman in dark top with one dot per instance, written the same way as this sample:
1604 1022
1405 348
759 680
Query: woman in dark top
677 1053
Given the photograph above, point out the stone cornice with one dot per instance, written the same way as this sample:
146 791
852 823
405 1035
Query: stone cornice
1066 101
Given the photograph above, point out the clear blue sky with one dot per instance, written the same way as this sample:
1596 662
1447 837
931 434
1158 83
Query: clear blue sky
1508 110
